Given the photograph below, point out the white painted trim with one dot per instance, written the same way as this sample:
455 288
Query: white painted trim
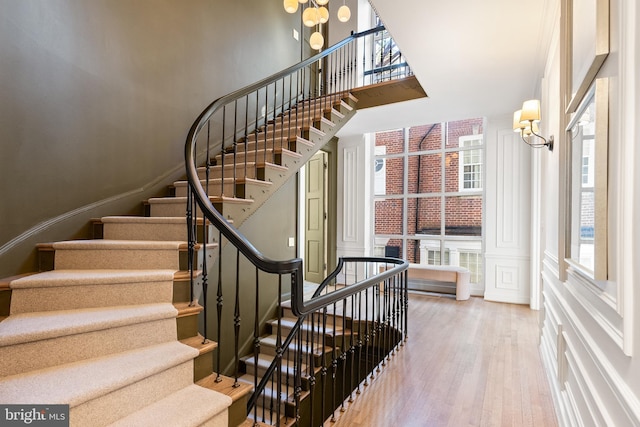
623 394
629 94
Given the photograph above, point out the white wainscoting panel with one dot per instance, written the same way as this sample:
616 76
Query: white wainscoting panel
507 215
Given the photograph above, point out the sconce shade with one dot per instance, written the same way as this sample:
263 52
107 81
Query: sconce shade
310 17
322 2
323 14
316 41
344 13
530 111
526 121
517 126
291 6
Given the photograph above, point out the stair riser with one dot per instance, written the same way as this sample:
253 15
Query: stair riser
5 302
250 370
148 232
277 135
251 156
262 144
287 312
339 339
30 356
215 188
90 296
187 326
131 398
202 366
76 259
216 173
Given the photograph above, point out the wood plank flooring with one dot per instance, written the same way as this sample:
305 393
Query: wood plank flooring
466 363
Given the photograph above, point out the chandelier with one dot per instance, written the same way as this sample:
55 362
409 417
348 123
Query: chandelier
314 14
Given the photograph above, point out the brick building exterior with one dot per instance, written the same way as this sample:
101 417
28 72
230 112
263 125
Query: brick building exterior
435 203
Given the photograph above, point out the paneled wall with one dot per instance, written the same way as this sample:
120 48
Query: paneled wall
98 96
589 329
507 214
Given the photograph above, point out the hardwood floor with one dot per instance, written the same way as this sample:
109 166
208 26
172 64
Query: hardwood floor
466 363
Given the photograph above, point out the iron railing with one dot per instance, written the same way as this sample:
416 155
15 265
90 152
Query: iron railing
235 140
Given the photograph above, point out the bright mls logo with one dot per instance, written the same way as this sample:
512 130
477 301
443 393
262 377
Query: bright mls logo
34 415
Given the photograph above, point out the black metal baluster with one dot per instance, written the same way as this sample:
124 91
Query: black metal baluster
256 340
219 303
236 323
334 365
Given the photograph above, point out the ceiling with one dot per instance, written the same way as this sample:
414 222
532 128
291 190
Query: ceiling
473 58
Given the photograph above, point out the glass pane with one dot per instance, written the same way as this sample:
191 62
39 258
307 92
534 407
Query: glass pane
388 216
473 262
452 169
393 140
424 138
463 216
461 128
583 178
393 248
427 252
423 215
424 174
393 175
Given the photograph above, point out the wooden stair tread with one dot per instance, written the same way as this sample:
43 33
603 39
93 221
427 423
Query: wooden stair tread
4 282
198 342
250 423
226 386
186 309
183 275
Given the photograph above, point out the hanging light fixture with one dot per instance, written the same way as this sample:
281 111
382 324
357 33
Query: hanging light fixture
344 13
323 14
291 6
316 40
310 17
314 14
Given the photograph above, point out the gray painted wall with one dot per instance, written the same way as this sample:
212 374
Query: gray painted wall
97 98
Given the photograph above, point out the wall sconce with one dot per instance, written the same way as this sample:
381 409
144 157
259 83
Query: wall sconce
526 122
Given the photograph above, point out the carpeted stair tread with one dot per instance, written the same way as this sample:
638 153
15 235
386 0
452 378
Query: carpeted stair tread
268 346
29 327
191 406
59 278
287 323
144 219
105 244
79 382
265 360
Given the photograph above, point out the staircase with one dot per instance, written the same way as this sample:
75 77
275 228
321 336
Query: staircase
110 329
110 326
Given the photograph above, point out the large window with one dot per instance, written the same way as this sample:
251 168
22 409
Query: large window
428 194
